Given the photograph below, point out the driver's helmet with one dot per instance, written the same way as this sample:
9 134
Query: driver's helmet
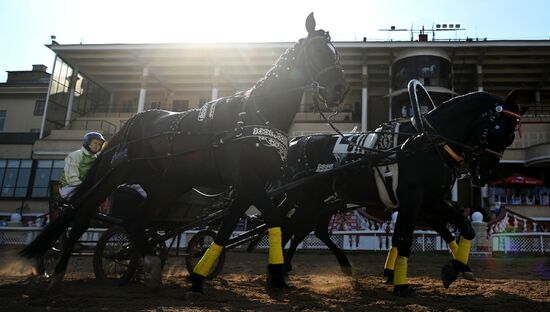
88 137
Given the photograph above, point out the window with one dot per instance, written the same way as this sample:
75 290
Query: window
180 105
14 175
39 107
2 119
46 171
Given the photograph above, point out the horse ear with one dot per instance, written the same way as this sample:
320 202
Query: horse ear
310 23
511 97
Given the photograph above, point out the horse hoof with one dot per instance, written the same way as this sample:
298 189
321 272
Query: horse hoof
388 274
448 274
469 276
55 282
152 271
347 270
404 291
275 276
193 295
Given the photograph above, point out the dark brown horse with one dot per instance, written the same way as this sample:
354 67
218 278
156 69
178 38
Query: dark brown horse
237 141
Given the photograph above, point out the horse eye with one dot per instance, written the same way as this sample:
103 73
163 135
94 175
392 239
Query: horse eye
497 127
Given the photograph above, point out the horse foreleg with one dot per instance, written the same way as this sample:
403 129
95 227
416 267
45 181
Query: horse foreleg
251 187
402 239
208 260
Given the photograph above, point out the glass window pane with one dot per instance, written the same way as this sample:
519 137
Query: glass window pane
58 163
7 191
26 163
44 164
23 178
13 163
9 179
42 177
2 163
20 192
56 174
39 192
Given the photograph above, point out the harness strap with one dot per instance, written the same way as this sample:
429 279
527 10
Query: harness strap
453 155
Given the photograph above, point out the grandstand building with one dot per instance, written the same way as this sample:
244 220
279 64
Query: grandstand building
99 86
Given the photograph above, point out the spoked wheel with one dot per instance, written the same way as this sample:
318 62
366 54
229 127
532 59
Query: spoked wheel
196 248
115 257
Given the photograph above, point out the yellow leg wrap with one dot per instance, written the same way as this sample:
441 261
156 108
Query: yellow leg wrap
400 273
390 260
463 251
208 259
275 246
453 247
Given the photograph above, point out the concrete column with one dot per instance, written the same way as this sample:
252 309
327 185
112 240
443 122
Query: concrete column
454 191
74 79
484 194
215 86
481 245
43 123
364 99
537 102
479 72
143 90
111 102
390 98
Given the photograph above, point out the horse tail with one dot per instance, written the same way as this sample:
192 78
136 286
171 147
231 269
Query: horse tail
47 236
55 228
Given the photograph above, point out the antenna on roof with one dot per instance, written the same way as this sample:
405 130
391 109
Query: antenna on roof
422 32
53 37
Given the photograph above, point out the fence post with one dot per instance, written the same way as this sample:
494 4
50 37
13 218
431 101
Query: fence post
541 243
423 242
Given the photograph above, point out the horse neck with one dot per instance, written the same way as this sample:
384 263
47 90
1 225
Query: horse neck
456 120
279 94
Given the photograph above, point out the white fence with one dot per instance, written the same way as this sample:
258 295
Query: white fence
538 242
347 240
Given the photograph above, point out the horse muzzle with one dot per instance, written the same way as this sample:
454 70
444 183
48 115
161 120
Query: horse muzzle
336 95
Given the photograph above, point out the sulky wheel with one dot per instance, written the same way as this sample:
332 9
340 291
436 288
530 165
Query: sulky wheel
115 257
45 264
196 248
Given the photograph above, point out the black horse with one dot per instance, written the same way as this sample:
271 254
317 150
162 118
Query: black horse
466 133
237 141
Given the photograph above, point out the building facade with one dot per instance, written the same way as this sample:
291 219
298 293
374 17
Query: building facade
99 86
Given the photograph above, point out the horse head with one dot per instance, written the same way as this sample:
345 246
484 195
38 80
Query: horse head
480 126
322 66
498 127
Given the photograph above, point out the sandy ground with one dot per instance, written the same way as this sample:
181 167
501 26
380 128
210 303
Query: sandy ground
503 284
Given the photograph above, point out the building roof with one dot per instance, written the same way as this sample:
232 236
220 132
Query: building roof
522 64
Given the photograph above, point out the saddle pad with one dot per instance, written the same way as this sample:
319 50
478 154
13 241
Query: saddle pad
386 174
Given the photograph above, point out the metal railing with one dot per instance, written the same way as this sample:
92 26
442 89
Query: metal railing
94 124
424 241
537 242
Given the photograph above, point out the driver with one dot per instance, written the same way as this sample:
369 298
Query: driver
79 162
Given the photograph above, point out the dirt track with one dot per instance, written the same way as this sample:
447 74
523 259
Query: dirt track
504 284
